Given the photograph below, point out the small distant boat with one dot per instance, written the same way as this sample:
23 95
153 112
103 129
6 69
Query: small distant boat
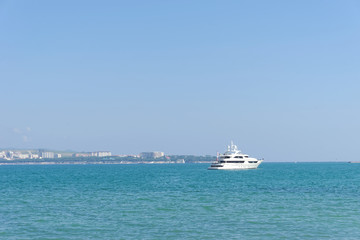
354 162
234 159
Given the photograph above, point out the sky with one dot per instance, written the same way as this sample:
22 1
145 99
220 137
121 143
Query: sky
279 78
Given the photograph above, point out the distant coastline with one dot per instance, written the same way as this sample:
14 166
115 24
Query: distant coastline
171 159
51 157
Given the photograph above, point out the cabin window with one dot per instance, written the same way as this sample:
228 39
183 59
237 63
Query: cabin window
238 157
252 161
246 156
232 161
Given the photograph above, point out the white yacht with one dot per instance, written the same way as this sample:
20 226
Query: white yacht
234 159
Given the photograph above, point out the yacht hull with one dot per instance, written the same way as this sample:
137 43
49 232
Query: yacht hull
234 166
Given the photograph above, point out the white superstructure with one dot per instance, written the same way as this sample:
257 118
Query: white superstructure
234 159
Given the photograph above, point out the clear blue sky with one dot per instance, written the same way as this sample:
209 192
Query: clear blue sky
279 78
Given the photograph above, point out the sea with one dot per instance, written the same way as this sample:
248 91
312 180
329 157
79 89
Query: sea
180 201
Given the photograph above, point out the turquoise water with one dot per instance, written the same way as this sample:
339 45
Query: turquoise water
184 201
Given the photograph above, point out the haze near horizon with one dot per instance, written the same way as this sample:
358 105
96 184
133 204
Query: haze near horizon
279 78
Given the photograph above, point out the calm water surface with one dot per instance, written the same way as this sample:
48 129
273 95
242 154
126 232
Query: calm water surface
184 201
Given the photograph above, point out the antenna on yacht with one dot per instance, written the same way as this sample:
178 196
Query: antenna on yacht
233 147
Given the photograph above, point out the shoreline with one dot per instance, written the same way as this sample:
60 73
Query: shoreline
109 162
90 163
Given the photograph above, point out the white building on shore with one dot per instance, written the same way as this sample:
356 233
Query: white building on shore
93 154
103 154
47 155
152 154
